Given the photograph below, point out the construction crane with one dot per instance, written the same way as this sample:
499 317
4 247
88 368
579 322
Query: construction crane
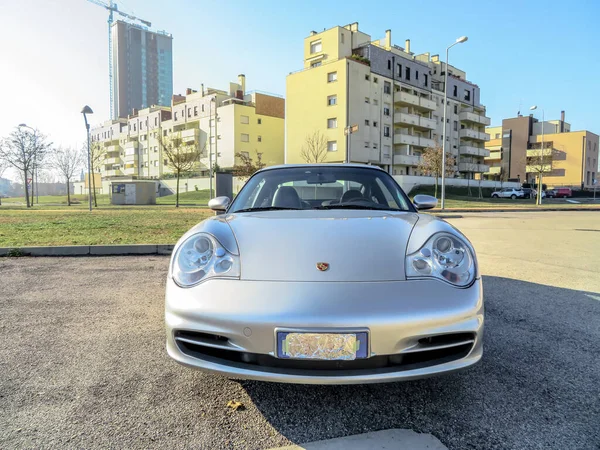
112 8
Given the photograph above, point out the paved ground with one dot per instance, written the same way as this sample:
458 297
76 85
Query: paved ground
82 361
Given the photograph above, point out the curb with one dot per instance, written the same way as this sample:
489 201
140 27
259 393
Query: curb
90 250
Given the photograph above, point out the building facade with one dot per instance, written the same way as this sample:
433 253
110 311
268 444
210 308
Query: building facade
219 124
142 68
394 97
567 158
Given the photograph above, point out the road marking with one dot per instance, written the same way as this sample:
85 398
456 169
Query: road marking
593 297
572 201
377 440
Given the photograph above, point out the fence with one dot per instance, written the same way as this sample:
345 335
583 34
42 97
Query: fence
409 182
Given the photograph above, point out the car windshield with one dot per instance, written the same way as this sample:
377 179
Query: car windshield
321 187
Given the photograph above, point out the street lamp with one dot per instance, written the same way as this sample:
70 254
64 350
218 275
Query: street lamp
87 110
460 40
539 194
34 172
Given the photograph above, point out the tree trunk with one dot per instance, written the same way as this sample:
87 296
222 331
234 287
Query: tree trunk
177 192
26 189
32 183
436 186
94 190
68 192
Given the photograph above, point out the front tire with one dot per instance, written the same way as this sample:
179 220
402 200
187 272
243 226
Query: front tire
494 196
513 196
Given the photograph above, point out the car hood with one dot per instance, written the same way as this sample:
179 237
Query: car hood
357 245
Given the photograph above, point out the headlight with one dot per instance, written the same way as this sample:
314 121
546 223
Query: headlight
443 256
200 257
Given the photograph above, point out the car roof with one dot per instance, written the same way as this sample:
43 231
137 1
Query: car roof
292 166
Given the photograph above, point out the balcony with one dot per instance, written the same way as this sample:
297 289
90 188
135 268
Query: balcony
190 135
407 160
537 152
466 116
113 160
494 155
404 98
132 144
131 158
473 151
467 133
427 123
472 167
407 119
114 173
494 170
536 168
409 139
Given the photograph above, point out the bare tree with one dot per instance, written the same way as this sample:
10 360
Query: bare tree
314 150
97 153
183 157
431 164
3 167
67 161
248 167
24 150
539 161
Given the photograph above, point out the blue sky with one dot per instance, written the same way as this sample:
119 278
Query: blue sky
54 52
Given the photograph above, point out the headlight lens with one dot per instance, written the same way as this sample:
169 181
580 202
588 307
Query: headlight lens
200 257
443 256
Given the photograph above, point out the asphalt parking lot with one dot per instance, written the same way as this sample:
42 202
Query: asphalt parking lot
83 365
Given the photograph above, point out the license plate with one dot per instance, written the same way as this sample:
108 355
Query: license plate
322 346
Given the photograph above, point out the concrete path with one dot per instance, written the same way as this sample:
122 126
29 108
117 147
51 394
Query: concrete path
376 440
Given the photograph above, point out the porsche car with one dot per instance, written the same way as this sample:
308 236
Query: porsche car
324 274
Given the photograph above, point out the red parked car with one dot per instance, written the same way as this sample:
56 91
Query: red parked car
563 192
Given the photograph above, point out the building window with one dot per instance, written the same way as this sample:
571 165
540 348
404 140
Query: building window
467 95
407 73
195 111
375 145
316 47
367 77
399 70
202 108
367 123
387 87
164 132
259 121
315 64
455 109
367 100
455 125
386 130
331 77
375 80
259 138
175 115
332 123
375 124
375 101
367 145
455 91
416 74
166 162
332 100
155 163
245 137
342 38
332 146
497 136
386 111
389 64
426 78
244 119
189 112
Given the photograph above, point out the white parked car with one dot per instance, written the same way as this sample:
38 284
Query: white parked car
508 193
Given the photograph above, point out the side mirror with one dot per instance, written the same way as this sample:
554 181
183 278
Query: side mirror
422 202
219 203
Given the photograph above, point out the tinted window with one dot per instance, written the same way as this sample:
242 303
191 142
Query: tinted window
319 187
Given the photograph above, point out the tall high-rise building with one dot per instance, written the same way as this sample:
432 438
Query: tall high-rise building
142 68
393 98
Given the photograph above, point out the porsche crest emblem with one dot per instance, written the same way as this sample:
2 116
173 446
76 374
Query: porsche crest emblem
322 266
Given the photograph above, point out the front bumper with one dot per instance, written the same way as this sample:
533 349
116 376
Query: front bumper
228 327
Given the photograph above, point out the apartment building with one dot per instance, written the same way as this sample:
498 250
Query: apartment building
568 158
219 123
394 97
142 68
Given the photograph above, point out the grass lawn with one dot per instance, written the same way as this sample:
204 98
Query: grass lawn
145 225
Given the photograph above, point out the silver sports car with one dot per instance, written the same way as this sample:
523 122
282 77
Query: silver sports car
324 274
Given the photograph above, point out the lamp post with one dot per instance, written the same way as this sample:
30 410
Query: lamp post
34 171
460 40
539 193
87 110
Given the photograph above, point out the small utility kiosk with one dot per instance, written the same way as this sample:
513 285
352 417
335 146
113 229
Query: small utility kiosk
137 192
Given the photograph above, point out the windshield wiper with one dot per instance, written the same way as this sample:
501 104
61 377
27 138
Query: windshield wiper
355 206
265 208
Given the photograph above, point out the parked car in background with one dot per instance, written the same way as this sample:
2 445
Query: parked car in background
509 193
563 192
528 192
550 193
